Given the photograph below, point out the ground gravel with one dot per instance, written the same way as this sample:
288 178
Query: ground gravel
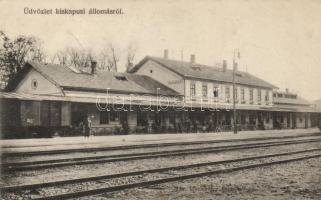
80 171
295 180
106 183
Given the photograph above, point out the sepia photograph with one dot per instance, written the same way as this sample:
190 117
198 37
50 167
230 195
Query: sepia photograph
158 100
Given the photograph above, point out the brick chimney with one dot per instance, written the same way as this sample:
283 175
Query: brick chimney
193 58
93 67
224 65
166 53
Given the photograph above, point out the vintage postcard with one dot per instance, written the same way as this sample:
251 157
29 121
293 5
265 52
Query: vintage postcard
162 99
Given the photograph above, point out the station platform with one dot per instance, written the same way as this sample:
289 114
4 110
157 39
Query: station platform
57 143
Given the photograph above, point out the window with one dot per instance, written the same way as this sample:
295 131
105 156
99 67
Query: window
141 118
204 90
243 119
215 91
236 93
151 71
104 117
114 116
267 96
251 94
34 84
259 95
227 92
267 118
242 94
193 91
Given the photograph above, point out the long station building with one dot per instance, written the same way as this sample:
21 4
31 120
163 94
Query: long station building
158 95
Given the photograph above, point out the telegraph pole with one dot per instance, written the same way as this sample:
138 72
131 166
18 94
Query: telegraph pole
234 100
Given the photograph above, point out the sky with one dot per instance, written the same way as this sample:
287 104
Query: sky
279 40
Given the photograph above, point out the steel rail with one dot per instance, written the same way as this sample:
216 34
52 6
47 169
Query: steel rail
150 155
158 181
139 146
24 163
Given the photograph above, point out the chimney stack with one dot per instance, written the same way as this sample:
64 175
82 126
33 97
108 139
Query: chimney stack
193 58
224 66
93 67
287 90
166 53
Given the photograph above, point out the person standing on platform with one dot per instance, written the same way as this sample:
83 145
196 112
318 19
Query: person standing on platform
87 127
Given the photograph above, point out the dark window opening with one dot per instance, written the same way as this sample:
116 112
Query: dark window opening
193 89
114 116
34 83
141 119
281 119
243 121
215 92
267 96
227 92
236 93
104 117
242 94
204 90
251 94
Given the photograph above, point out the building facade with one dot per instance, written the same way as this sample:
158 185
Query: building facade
157 95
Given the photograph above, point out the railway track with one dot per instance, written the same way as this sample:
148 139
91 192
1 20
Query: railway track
140 146
44 164
150 177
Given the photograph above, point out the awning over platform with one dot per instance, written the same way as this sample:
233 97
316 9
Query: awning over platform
153 101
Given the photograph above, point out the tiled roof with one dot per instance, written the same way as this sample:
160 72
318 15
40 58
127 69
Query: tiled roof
189 70
69 79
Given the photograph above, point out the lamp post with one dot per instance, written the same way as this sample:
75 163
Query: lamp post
234 109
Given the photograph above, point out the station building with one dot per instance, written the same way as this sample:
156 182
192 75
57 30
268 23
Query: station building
158 95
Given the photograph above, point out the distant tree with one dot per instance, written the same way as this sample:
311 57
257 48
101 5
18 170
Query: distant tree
104 62
72 57
15 53
109 58
131 52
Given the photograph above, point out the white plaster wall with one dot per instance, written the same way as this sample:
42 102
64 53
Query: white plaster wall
163 75
43 87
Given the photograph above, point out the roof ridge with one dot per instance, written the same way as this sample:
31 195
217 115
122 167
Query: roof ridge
196 64
208 72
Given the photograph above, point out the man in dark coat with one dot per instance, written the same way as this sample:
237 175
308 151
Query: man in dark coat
87 127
